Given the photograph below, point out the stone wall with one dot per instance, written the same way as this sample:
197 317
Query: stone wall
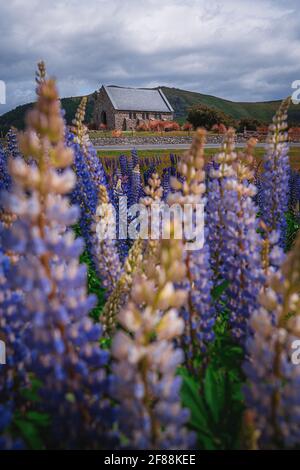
103 104
159 140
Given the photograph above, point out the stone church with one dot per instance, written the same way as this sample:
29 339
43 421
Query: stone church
125 108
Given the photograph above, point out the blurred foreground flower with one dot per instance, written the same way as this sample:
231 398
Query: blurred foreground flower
273 390
63 341
145 360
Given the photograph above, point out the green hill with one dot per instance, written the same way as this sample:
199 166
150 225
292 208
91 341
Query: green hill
15 117
181 100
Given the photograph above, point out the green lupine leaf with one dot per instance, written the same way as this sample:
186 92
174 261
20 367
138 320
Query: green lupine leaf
191 399
214 391
30 433
218 290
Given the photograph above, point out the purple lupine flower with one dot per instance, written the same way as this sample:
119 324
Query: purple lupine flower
7 441
104 249
198 313
148 173
237 245
166 182
5 180
135 157
63 341
272 364
220 171
200 318
91 159
117 175
81 137
243 269
275 177
173 159
85 193
95 166
12 374
5 185
258 197
145 359
12 143
294 191
130 165
123 164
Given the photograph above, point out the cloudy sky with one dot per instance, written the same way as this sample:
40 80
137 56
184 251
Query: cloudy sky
237 49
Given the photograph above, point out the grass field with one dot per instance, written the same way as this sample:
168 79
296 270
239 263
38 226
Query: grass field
164 154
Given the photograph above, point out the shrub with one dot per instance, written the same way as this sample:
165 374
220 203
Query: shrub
170 126
203 116
187 126
142 127
219 128
248 124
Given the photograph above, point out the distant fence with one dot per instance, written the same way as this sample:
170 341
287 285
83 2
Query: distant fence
294 136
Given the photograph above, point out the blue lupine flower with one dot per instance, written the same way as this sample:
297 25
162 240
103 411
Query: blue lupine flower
85 193
104 248
166 182
5 180
12 143
63 341
13 375
272 390
148 173
220 171
294 191
145 359
135 157
275 177
233 234
123 164
243 267
198 313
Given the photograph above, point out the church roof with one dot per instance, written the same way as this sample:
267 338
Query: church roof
138 99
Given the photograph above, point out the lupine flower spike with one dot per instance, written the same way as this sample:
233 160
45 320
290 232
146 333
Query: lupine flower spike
63 342
13 375
104 246
80 132
198 313
220 171
119 296
273 375
242 243
133 262
145 359
275 180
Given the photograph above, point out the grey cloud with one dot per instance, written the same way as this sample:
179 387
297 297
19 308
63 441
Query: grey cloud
246 50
